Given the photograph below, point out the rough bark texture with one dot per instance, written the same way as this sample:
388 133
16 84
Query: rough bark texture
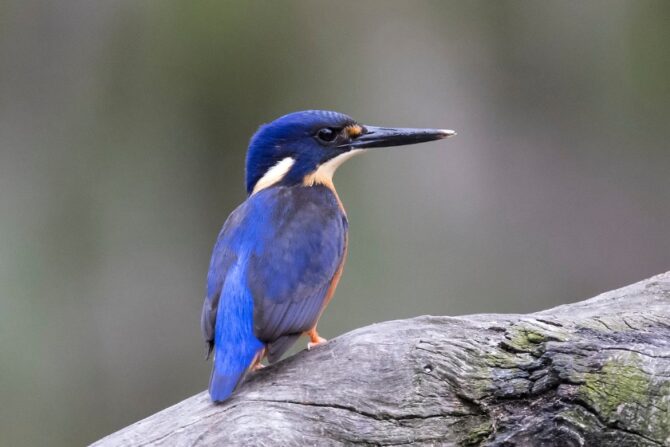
594 373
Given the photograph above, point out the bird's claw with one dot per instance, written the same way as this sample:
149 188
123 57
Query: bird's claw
256 364
316 342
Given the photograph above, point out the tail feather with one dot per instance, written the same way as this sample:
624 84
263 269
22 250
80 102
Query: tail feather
232 358
222 385
235 344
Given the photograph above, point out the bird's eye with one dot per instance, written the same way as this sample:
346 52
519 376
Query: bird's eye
326 134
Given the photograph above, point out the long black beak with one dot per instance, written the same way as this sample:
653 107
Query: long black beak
388 136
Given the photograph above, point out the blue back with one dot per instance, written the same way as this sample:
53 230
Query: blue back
271 267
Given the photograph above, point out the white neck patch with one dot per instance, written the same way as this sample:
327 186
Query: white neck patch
324 173
274 174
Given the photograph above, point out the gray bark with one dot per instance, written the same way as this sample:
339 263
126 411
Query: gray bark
594 373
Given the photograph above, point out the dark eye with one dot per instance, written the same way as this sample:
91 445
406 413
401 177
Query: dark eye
326 134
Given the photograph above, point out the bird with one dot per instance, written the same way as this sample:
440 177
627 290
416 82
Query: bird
280 254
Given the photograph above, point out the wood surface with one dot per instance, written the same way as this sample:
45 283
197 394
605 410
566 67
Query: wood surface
592 373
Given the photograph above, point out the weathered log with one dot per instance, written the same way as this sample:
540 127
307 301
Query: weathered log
594 373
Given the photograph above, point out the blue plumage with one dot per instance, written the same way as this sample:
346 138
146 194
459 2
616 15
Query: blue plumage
279 256
270 270
271 144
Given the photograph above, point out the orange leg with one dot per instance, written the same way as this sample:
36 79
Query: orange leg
314 338
256 363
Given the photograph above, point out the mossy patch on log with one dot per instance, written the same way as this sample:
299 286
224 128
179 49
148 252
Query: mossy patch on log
623 392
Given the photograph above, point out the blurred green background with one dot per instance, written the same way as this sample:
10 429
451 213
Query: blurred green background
123 127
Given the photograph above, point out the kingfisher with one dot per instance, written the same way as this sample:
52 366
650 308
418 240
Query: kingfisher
280 254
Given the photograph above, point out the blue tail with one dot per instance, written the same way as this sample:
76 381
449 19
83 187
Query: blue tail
235 344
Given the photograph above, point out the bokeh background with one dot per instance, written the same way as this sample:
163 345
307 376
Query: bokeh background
123 127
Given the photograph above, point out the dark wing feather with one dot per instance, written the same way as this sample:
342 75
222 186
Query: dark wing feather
224 255
278 347
290 276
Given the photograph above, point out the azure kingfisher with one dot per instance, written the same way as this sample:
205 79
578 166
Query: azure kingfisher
279 256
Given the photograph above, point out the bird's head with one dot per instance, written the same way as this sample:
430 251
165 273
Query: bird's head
307 147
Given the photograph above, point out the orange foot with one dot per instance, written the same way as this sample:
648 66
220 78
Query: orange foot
314 339
256 363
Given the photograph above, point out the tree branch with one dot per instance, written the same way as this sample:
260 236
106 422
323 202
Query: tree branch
591 373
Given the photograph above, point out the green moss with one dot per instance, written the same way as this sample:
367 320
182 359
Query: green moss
525 339
517 339
614 385
529 336
624 395
501 359
535 337
482 383
478 434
